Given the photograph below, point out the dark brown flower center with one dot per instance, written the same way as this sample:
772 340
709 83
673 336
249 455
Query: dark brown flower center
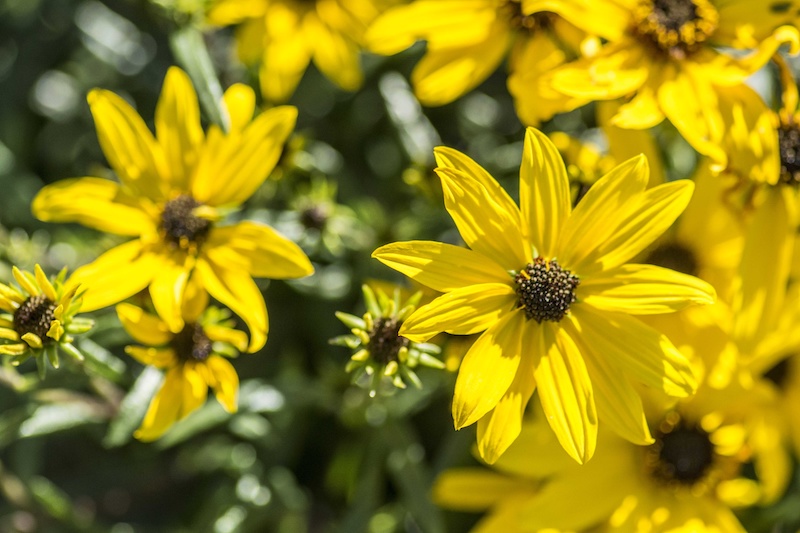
314 217
682 454
35 315
674 28
512 11
384 341
192 343
545 290
789 142
180 227
674 256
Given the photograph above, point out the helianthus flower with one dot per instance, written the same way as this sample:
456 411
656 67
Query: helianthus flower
380 352
194 360
39 317
550 287
174 189
284 36
467 40
665 54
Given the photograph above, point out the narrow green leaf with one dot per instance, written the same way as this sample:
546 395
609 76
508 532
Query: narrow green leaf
133 407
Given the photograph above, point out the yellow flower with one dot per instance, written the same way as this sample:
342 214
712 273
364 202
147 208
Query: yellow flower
285 35
550 287
192 358
468 39
173 191
39 317
665 54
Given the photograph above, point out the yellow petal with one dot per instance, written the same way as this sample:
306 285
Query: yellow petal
616 71
222 334
128 145
195 300
44 283
484 224
166 291
231 168
157 357
165 407
643 290
9 334
143 327
598 213
237 290
33 340
225 12
26 281
488 369
224 381
566 393
473 489
463 311
744 24
286 52
56 330
117 274
94 202
618 404
544 194
645 355
607 19
195 388
502 425
178 126
258 249
642 112
240 101
442 267
336 55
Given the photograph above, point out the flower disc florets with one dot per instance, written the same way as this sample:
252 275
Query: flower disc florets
35 315
192 343
545 290
384 341
676 28
789 142
180 225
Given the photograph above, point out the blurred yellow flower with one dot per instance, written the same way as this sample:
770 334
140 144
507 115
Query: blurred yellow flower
550 287
284 36
467 40
665 54
192 358
173 191
39 317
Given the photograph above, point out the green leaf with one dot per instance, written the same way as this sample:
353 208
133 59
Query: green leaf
190 50
133 407
48 419
102 362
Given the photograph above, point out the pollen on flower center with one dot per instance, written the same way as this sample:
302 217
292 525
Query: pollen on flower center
35 315
683 453
512 10
192 343
384 341
676 28
545 290
180 226
789 142
674 256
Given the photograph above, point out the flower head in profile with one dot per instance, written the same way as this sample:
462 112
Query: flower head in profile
284 36
194 360
381 354
467 40
665 57
174 189
40 317
549 287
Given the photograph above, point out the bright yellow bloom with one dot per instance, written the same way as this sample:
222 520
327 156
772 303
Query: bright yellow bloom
467 40
664 53
550 287
192 358
284 36
173 191
39 317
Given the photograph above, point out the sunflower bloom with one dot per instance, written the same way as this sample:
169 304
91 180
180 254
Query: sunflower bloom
467 40
664 55
284 36
192 359
39 317
549 288
173 191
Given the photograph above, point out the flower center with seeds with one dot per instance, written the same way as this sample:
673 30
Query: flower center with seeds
35 315
789 142
682 454
384 341
180 227
675 257
512 11
674 28
314 217
545 290
192 343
